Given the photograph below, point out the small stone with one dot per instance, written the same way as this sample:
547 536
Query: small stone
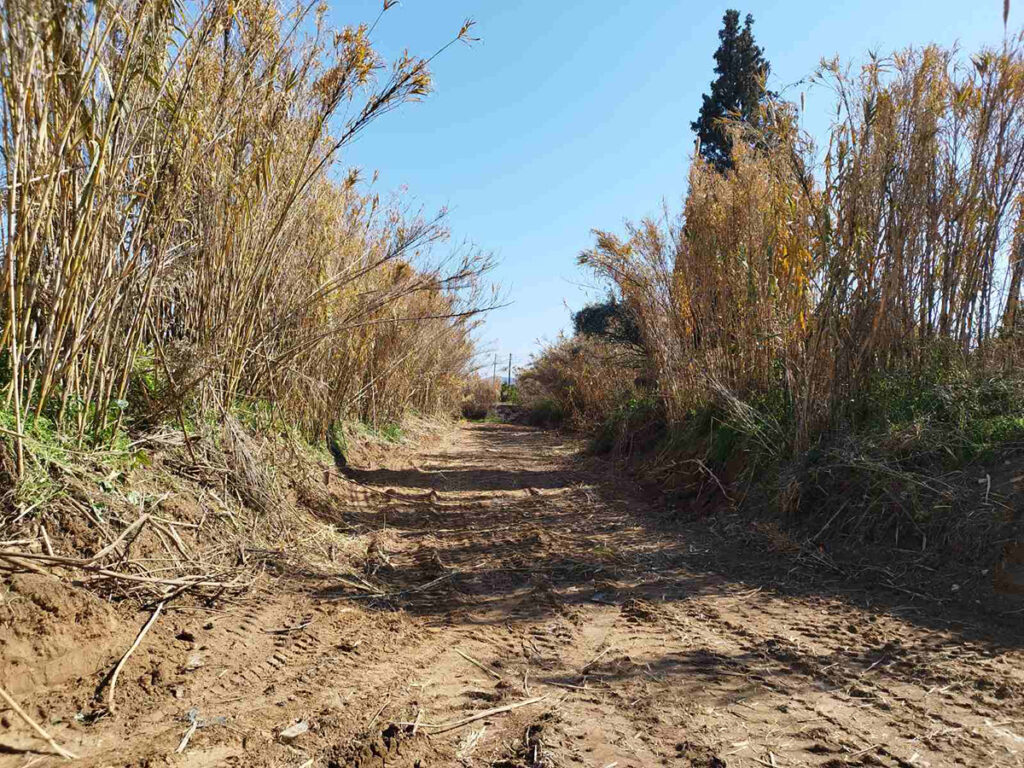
292 732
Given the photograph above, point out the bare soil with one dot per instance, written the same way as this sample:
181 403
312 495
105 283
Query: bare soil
506 569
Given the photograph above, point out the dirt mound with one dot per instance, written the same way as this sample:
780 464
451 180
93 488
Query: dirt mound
51 632
508 413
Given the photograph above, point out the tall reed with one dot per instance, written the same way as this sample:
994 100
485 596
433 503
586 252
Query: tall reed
174 228
804 275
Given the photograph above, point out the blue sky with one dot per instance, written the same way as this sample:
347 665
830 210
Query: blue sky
573 115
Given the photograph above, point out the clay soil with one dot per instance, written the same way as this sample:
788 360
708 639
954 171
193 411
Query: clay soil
507 572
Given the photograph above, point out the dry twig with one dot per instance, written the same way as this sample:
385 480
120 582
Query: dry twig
476 663
66 754
445 727
129 652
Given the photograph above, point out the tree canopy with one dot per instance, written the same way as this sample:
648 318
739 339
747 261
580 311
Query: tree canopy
610 320
738 90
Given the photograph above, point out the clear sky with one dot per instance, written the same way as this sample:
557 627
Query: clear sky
570 115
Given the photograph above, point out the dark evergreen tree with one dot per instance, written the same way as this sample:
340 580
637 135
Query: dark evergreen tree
738 89
610 320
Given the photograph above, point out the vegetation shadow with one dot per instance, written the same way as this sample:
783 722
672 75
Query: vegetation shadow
496 542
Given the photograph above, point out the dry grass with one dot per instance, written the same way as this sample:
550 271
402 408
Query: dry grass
174 235
218 517
478 395
580 381
788 286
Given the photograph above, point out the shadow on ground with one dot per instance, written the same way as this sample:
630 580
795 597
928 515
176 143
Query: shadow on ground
512 525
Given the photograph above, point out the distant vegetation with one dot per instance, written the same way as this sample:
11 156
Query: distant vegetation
610 320
510 393
177 238
840 323
478 395
481 393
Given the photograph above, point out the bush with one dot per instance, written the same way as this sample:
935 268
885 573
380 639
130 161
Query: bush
546 412
478 395
637 424
588 378
510 394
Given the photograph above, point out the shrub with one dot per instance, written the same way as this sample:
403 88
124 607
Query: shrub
636 424
586 377
546 412
510 393
478 395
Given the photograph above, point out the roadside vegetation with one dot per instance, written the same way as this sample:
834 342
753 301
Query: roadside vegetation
828 333
177 236
194 282
478 395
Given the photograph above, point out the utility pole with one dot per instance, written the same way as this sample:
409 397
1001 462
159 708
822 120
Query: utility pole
494 371
510 369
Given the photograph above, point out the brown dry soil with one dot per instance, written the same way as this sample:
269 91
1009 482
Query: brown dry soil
641 640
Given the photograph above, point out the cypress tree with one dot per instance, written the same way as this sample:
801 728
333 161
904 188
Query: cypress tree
738 90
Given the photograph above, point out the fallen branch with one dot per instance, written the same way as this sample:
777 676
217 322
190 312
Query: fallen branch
445 727
399 593
704 468
112 545
187 737
286 630
860 752
372 591
476 663
27 565
379 712
67 755
597 658
20 559
129 652
574 687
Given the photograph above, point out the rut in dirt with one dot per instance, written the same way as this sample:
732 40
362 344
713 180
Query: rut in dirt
520 605
666 644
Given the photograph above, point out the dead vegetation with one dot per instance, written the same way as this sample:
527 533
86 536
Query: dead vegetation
830 334
809 277
175 238
194 295
479 395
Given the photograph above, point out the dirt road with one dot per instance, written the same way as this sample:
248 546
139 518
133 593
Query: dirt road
508 574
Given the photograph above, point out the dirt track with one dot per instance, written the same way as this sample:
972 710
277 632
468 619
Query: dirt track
514 572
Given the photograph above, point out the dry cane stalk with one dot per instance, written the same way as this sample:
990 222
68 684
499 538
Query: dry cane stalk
66 754
129 652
